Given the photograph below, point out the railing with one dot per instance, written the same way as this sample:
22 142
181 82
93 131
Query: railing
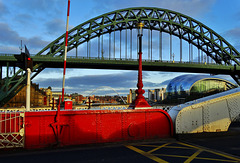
117 107
12 129
118 59
165 108
23 109
144 60
108 107
7 55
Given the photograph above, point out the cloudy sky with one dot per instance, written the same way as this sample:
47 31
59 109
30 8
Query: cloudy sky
39 22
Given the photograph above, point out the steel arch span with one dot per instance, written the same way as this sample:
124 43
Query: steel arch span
98 88
161 20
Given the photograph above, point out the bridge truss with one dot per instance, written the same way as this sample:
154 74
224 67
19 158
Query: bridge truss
123 22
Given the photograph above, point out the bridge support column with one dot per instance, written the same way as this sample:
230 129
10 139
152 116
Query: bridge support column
76 51
7 75
160 45
28 92
0 72
181 50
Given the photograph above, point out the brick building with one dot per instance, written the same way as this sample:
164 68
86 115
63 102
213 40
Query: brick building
19 100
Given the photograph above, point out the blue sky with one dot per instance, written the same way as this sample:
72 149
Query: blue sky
39 22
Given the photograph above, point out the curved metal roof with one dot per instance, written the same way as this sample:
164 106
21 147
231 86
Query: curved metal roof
185 82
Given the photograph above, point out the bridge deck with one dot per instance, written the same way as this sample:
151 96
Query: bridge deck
125 64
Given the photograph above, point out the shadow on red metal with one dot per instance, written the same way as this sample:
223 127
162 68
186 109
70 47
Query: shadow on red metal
95 126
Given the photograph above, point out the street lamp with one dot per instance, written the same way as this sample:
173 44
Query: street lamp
140 102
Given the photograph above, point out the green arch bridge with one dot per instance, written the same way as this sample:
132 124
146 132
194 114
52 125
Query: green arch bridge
109 42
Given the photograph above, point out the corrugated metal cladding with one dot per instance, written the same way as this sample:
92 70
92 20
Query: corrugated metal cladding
209 114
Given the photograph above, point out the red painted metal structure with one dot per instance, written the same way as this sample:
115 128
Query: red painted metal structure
68 127
140 101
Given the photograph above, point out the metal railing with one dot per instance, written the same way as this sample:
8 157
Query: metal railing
23 109
110 107
117 107
12 129
118 59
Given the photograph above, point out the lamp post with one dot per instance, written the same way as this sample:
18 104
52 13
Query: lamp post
140 101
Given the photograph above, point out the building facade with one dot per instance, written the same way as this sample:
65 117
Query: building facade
19 100
131 96
156 95
190 87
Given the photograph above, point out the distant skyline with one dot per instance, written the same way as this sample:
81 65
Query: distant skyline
38 23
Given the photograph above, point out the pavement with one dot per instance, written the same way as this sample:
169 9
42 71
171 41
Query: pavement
213 147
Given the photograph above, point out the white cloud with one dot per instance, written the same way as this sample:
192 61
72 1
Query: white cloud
55 27
10 38
233 33
232 36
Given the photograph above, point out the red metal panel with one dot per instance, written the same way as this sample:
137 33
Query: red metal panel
68 105
109 127
135 125
157 125
95 126
81 127
38 130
